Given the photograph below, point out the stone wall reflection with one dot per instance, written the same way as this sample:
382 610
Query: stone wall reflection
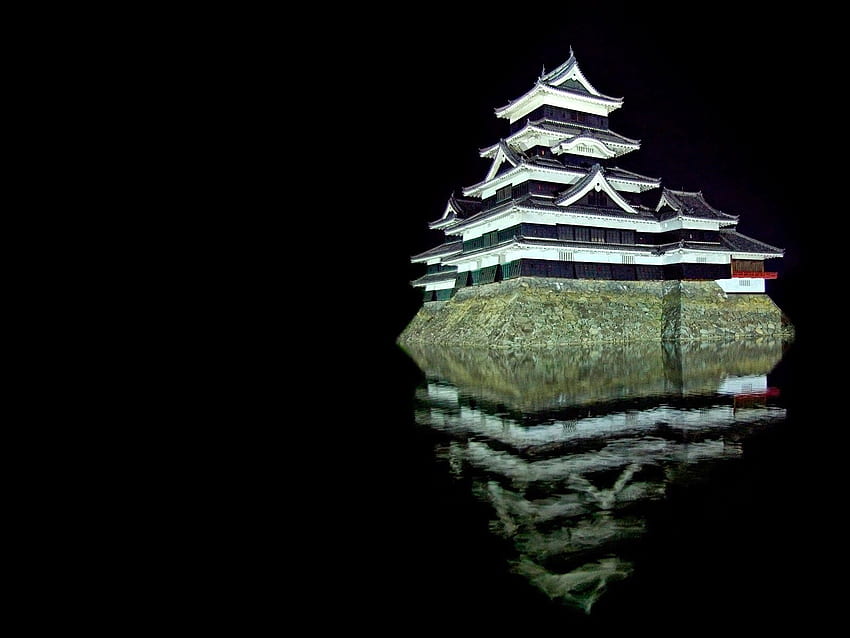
568 445
538 378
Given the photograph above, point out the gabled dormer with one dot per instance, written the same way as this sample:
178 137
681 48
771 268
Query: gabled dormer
569 76
504 158
690 204
594 185
456 210
564 87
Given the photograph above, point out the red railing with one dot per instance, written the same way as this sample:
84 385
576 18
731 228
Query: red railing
754 274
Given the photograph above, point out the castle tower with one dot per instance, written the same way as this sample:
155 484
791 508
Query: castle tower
554 205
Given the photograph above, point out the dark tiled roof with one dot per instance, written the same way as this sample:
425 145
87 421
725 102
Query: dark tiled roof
446 248
437 223
545 162
621 173
734 240
692 204
466 205
513 156
434 277
605 135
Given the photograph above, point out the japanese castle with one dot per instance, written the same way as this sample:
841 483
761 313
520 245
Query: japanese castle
554 205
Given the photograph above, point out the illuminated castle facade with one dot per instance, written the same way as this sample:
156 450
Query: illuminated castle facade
553 204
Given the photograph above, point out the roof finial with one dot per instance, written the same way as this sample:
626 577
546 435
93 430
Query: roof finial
571 51
543 72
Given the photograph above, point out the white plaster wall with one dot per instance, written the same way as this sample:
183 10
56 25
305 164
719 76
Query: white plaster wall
741 284
440 285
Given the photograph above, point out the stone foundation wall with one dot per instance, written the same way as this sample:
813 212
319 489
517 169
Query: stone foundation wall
533 311
706 312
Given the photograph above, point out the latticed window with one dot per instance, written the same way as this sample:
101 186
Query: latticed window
487 275
486 240
565 232
503 193
519 190
511 269
507 233
597 235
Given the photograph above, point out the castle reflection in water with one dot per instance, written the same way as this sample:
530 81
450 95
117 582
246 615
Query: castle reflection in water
569 445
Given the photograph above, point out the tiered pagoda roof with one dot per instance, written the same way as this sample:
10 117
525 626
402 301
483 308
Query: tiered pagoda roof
550 198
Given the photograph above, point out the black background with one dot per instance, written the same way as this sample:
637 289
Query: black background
743 106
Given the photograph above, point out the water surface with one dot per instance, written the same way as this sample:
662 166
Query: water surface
588 483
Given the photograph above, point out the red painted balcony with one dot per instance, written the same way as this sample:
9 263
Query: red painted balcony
755 274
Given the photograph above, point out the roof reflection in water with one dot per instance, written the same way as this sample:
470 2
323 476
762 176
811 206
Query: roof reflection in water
566 444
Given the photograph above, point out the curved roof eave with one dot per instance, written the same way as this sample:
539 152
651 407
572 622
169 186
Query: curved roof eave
610 103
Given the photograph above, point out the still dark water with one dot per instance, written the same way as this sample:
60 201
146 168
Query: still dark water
592 487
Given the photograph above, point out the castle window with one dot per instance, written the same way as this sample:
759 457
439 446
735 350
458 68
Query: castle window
597 235
582 234
565 232
503 193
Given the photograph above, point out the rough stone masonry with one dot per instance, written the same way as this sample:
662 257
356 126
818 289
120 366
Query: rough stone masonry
535 311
